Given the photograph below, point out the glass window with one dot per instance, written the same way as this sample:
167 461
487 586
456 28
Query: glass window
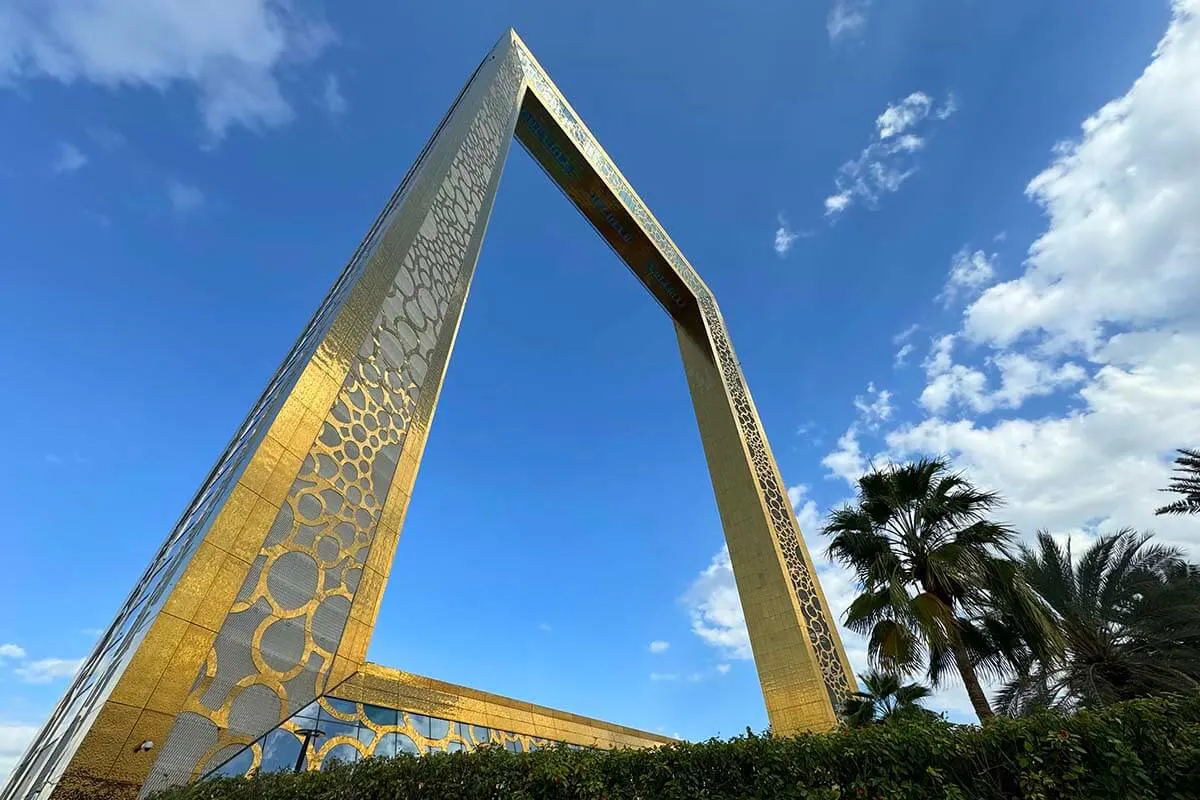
309 712
392 744
455 747
280 749
344 708
480 734
339 754
438 728
380 715
237 765
420 724
332 727
514 745
366 736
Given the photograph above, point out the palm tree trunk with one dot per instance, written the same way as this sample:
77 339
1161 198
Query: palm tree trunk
970 680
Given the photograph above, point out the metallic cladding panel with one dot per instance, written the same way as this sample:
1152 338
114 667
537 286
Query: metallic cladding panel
316 547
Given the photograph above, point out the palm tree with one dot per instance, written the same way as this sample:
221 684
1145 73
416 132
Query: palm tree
1129 610
1185 481
886 699
935 574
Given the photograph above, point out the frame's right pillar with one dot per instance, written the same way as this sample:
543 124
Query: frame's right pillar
801 664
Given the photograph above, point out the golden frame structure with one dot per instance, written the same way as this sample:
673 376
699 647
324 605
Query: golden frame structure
264 596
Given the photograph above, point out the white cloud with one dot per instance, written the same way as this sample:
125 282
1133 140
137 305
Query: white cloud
1114 279
785 237
1122 247
906 347
70 159
1021 377
1096 467
664 676
948 108
906 334
13 651
716 609
545 627
331 96
847 461
45 670
888 161
723 669
1113 282
874 408
846 18
970 272
184 197
904 115
14 738
228 53
807 513
659 646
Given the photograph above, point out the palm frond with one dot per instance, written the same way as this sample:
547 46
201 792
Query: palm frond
1185 481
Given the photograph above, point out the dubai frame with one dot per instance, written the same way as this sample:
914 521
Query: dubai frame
251 624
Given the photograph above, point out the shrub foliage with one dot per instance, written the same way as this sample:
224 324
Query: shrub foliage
1129 751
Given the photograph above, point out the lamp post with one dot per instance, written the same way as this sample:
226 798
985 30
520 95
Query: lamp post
309 735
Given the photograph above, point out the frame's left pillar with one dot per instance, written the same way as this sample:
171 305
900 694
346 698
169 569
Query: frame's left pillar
267 590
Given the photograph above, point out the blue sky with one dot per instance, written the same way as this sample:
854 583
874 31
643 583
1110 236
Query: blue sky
917 243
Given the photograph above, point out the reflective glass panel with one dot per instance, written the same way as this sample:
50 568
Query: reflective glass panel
280 749
438 728
420 724
366 736
331 728
392 744
380 715
343 708
236 766
309 712
339 754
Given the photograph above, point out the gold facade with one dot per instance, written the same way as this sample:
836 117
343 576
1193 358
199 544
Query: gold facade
265 595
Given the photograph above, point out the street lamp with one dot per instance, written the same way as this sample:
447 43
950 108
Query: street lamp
309 735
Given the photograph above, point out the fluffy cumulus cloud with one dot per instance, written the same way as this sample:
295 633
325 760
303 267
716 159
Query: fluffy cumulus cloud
875 407
11 651
1122 247
1019 376
230 53
716 609
846 461
890 159
659 646
970 273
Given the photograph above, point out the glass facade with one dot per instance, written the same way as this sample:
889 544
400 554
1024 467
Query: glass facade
347 731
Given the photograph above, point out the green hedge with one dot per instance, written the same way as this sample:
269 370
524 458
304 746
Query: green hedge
1140 749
